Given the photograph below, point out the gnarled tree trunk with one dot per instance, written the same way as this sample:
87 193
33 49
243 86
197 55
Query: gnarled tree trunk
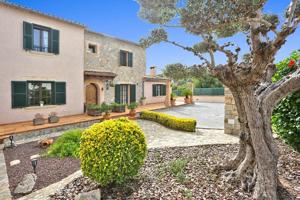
256 162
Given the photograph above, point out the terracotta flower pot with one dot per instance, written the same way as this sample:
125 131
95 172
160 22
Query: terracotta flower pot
106 116
187 100
173 102
132 113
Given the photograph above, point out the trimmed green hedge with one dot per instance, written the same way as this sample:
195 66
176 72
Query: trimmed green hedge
184 124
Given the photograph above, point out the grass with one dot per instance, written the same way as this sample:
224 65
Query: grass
67 145
176 169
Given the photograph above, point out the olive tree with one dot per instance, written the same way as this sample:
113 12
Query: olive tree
249 79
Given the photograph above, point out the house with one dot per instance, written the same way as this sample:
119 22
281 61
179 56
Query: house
42 64
49 64
114 69
156 89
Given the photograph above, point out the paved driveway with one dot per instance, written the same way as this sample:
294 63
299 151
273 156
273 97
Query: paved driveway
208 115
158 136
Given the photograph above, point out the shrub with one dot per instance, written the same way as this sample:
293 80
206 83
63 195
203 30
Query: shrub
187 92
184 124
112 151
106 108
132 106
67 145
286 116
94 107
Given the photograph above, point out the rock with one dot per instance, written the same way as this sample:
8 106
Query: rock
34 156
14 162
26 185
92 195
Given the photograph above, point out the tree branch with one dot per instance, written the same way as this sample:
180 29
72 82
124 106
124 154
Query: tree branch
291 11
277 91
191 50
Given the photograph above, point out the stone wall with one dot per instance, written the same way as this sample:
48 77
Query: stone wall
107 59
231 123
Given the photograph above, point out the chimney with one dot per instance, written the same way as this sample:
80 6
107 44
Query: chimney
152 71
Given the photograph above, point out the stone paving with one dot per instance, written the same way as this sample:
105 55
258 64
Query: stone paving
4 185
158 136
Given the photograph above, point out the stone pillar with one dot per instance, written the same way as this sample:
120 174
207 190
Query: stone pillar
168 93
231 122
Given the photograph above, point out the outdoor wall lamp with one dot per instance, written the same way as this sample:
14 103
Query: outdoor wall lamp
12 143
34 164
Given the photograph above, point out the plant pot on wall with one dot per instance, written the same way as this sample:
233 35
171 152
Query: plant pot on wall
94 112
132 113
53 118
106 116
38 119
143 101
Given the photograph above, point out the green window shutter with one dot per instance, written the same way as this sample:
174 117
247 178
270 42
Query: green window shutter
130 59
132 93
55 41
154 92
27 36
123 58
164 90
117 93
60 93
19 94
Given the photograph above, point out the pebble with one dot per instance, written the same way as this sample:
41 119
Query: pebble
14 162
34 156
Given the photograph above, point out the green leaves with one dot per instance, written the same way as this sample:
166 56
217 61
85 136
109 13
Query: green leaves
156 36
286 116
157 12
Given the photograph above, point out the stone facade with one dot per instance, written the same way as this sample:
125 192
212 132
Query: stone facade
107 59
231 123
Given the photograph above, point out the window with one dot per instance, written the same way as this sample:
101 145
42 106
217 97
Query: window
92 48
39 92
126 58
41 39
33 93
158 90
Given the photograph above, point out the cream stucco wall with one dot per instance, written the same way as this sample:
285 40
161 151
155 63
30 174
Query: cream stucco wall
19 65
107 59
148 93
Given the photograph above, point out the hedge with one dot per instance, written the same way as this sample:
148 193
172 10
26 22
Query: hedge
184 124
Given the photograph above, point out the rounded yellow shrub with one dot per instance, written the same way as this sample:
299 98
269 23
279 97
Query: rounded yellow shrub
112 151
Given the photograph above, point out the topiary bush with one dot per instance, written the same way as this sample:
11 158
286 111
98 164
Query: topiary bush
184 124
286 116
112 151
67 145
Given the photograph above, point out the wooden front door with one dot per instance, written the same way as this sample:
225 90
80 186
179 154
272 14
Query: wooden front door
91 94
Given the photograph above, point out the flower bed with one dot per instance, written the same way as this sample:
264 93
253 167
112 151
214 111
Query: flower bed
176 123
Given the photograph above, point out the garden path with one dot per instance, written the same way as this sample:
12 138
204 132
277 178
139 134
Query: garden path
158 136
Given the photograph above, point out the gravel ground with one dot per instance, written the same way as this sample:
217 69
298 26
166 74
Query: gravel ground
49 170
197 180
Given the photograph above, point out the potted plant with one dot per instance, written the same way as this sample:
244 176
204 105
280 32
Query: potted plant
187 93
38 119
94 110
53 118
143 101
118 108
106 109
173 99
132 108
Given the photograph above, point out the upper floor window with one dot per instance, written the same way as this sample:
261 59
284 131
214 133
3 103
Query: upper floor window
40 38
92 48
126 58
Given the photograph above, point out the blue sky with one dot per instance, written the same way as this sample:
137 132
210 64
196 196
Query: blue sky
119 18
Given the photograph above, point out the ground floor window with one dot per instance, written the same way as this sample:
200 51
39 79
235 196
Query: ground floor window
35 93
40 93
158 90
125 93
